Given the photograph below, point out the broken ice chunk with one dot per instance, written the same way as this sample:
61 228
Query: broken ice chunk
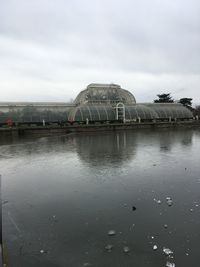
157 201
167 251
170 264
169 201
109 247
155 247
111 232
126 249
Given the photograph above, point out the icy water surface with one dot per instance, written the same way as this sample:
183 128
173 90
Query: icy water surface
102 199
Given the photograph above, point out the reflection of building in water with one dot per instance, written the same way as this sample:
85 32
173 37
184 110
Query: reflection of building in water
106 148
167 139
120 147
102 149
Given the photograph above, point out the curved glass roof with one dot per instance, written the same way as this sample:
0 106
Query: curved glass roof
173 110
92 112
105 94
139 111
144 111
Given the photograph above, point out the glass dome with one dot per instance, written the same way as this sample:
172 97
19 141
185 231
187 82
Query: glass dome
100 102
104 93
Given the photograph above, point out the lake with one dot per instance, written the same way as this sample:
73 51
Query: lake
102 199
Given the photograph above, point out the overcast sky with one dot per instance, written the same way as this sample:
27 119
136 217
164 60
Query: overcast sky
52 49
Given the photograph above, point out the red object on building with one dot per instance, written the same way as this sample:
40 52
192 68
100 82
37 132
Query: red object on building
9 122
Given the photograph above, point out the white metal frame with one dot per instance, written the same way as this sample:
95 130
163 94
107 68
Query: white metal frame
120 106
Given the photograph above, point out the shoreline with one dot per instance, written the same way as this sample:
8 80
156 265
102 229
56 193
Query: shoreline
52 130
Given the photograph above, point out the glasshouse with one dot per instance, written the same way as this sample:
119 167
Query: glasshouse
109 102
97 103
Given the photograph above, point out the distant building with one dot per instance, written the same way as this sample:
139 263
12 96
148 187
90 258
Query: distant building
98 102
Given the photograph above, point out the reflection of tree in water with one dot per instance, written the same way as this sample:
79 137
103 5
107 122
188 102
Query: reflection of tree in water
168 138
106 148
186 139
197 133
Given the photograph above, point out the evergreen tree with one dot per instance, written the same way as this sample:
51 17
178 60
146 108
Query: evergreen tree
164 98
186 101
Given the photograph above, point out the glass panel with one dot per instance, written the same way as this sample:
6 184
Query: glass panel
94 113
102 113
127 113
77 116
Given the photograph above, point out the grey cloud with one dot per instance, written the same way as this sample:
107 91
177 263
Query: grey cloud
145 45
